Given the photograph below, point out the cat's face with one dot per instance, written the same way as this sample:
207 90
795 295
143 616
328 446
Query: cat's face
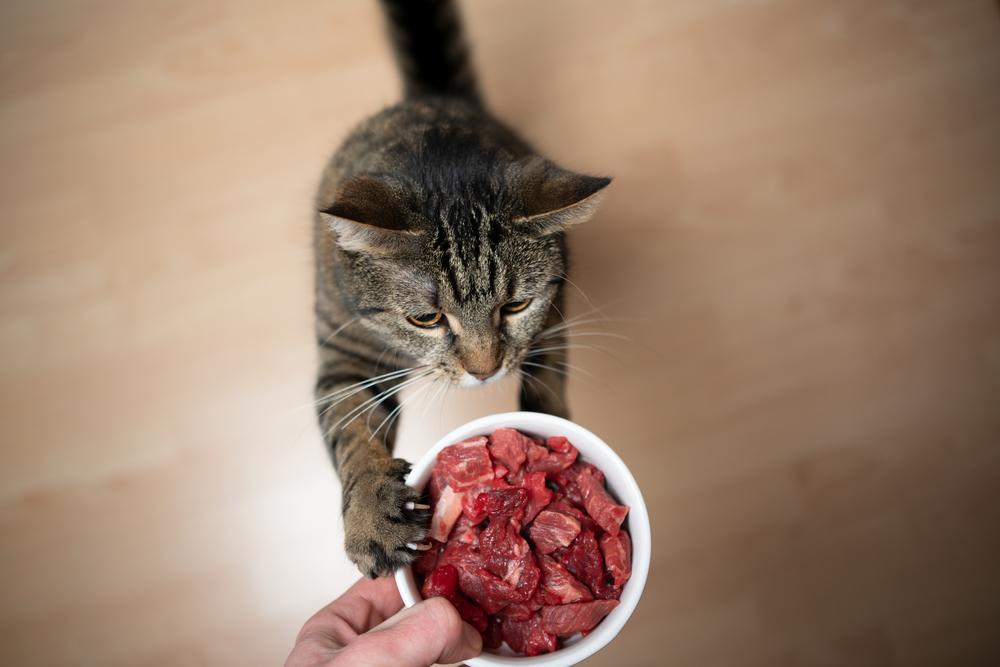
469 321
460 284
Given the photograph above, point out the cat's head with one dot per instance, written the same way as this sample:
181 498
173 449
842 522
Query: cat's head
458 271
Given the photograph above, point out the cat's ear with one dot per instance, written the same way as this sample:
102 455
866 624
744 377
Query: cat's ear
553 198
368 216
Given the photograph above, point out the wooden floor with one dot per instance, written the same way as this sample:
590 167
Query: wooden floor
802 244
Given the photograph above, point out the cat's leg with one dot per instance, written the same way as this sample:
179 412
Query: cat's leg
544 388
383 517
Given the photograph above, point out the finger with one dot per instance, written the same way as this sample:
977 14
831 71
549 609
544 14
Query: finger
362 606
428 632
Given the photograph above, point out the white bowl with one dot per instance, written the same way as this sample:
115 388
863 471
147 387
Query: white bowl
620 484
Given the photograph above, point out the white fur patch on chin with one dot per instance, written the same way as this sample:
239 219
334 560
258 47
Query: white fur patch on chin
469 381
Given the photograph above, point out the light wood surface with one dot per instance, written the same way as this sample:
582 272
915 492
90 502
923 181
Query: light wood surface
802 243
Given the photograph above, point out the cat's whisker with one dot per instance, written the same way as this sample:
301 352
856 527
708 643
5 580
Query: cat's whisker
361 386
374 402
334 394
374 379
569 324
546 367
573 367
536 382
535 351
398 412
563 276
360 408
436 398
397 409
336 332
584 334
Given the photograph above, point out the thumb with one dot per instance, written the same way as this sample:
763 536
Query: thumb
428 632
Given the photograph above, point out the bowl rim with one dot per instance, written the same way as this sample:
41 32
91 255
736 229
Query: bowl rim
620 482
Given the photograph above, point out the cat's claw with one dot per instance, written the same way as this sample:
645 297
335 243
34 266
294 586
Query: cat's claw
423 546
410 505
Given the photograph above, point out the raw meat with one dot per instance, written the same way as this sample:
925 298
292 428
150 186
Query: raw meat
528 637
539 495
509 447
599 504
543 459
465 464
567 619
558 586
617 550
551 530
525 540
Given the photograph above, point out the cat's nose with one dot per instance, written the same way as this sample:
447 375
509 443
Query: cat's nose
483 376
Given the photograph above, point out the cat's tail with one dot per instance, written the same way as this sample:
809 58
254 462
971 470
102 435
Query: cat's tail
430 48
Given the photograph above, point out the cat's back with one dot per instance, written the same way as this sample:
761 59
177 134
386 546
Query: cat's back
416 137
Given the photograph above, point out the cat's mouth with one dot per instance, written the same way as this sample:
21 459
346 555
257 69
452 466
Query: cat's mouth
468 380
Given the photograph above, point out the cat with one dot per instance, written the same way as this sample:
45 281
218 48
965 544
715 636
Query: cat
440 255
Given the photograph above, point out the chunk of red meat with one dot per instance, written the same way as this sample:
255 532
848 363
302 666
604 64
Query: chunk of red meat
562 504
465 464
558 586
617 550
464 557
530 575
470 613
505 501
568 619
583 559
493 637
543 459
528 637
442 582
551 530
474 506
600 506
567 480
508 555
509 447
488 590
521 611
499 471
446 513
539 495
558 443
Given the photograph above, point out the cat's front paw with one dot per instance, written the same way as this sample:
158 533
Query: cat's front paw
383 519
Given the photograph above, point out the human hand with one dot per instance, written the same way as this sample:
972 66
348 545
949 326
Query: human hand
364 627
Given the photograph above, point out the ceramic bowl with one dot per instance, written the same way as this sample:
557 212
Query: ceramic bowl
620 484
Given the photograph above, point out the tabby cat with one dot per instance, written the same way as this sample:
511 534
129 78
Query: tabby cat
440 255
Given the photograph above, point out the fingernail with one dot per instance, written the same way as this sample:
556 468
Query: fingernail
472 637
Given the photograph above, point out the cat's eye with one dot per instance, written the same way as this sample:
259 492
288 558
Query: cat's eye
516 306
425 321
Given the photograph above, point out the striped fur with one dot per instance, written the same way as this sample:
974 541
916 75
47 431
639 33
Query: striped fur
431 205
